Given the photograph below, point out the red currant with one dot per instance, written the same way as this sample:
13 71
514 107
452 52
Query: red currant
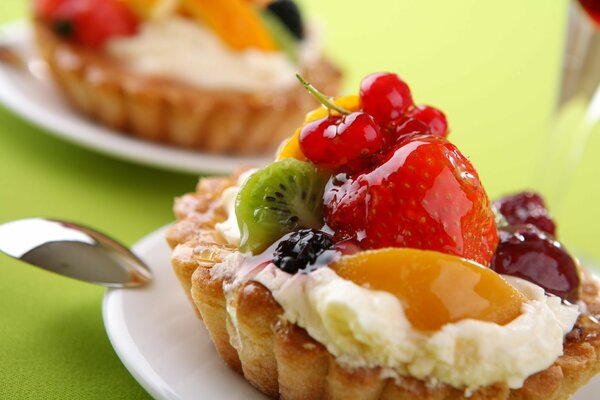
335 141
408 126
434 118
88 22
385 96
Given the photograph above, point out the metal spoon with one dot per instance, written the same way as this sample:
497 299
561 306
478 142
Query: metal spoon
73 250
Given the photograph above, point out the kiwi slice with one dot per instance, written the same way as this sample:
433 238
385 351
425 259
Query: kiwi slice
280 198
281 34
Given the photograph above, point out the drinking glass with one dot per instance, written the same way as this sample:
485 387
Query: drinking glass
577 113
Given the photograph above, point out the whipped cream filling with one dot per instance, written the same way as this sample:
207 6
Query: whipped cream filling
182 49
229 228
368 328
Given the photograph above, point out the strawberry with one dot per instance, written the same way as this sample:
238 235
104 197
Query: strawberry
46 8
88 22
424 194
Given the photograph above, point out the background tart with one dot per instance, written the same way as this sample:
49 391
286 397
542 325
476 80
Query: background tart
283 361
168 111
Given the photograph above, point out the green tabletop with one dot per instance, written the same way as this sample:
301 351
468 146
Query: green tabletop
492 66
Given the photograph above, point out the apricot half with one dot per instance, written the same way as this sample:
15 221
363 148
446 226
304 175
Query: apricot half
237 22
434 288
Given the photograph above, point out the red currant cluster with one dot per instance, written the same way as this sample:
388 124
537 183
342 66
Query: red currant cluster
352 140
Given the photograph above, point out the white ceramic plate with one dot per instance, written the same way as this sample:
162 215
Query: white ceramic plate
162 342
33 96
168 350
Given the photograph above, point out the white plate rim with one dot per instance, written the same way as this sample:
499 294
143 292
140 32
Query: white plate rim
117 332
85 133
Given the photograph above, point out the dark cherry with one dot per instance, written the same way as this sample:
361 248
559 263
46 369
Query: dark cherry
526 208
385 96
526 252
336 141
432 117
299 250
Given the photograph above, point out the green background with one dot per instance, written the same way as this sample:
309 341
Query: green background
491 66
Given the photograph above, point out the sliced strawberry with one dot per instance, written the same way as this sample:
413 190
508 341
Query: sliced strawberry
88 22
424 194
46 9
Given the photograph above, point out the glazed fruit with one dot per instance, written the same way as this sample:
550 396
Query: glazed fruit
336 141
385 97
432 117
46 8
435 289
288 13
526 208
280 198
291 147
235 21
88 22
424 194
529 253
299 250
405 127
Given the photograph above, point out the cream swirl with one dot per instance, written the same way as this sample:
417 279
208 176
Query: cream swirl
184 50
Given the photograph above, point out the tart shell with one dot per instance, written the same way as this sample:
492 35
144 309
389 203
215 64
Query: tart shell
283 361
162 110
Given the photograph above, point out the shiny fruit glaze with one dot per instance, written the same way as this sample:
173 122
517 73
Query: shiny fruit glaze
237 22
336 141
432 117
424 194
526 208
88 22
385 97
435 289
405 127
46 8
299 250
527 252
291 147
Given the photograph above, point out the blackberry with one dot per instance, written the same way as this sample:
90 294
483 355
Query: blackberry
288 13
300 249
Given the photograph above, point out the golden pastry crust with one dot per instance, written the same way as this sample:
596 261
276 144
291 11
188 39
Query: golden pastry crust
283 361
163 110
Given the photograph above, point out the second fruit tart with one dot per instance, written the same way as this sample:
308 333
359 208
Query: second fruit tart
199 74
367 262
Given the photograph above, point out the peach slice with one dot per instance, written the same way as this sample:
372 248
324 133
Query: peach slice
237 22
434 288
291 147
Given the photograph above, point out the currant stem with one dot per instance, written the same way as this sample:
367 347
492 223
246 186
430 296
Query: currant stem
327 102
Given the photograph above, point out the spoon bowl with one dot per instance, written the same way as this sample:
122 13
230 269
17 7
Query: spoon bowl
73 250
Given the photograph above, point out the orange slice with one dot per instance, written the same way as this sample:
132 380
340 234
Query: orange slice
237 22
291 147
434 288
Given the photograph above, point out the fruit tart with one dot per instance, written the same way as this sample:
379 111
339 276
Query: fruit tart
200 74
367 262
